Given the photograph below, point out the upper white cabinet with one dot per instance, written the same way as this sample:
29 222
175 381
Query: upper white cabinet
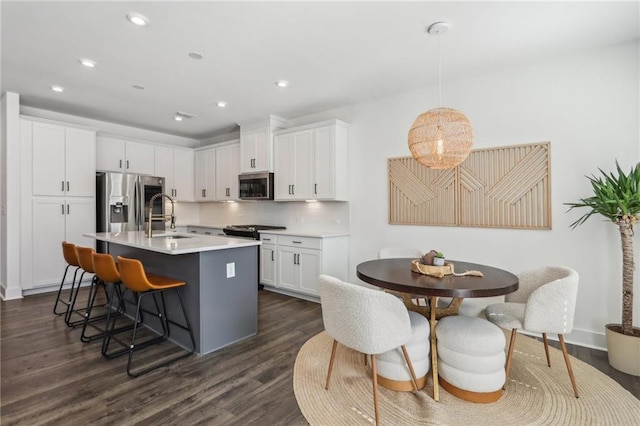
118 155
227 169
177 166
205 180
311 162
256 144
63 160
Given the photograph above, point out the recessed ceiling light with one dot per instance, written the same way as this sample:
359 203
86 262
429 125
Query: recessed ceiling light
221 104
282 83
181 115
195 55
87 63
138 86
58 89
137 19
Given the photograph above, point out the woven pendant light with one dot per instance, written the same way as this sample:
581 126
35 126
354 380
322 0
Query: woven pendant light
440 138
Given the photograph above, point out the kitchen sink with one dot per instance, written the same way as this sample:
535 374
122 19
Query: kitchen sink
171 237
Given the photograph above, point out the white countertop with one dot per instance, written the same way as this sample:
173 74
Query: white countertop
159 243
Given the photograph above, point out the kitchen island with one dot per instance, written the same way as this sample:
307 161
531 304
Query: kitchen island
221 295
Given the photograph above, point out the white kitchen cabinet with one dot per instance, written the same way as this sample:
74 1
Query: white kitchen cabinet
311 162
63 160
57 219
256 144
205 176
268 259
293 159
227 169
119 155
299 261
177 166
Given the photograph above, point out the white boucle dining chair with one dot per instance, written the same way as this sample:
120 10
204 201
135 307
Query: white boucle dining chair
544 303
369 321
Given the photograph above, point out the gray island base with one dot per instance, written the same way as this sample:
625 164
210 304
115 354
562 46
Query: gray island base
221 310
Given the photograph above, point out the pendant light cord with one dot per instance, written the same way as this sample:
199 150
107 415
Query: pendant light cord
439 75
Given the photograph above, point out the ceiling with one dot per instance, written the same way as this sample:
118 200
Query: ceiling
332 53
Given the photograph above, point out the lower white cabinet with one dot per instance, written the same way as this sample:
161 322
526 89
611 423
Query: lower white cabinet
57 219
292 264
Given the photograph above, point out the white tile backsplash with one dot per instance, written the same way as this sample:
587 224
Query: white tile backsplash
318 216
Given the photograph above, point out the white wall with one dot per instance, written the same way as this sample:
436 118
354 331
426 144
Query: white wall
586 105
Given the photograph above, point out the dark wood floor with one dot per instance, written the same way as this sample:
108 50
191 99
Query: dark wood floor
50 377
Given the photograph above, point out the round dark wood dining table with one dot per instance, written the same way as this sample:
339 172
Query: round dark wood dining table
396 274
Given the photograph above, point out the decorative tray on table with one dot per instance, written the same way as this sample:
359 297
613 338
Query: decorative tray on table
440 271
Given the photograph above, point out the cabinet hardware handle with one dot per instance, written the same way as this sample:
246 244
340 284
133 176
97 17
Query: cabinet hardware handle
293 189
204 192
315 188
67 186
266 239
272 258
193 232
68 209
120 166
207 232
294 259
62 205
127 164
296 242
62 188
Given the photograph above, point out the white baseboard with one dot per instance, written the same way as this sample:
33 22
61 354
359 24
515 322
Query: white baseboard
292 294
10 293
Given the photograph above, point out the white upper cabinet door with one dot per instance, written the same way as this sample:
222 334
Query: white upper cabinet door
283 164
183 174
303 164
205 163
248 150
264 143
110 154
325 162
227 169
163 167
80 162
139 158
48 159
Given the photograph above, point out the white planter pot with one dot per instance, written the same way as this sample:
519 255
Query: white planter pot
438 261
623 351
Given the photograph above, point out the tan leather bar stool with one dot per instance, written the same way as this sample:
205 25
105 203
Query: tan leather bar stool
107 271
137 281
70 256
86 263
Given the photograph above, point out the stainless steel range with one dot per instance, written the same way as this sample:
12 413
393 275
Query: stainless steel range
249 231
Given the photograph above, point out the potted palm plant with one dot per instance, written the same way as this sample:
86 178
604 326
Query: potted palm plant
616 196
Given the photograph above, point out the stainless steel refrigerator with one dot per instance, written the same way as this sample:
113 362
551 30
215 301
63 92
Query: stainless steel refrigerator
122 202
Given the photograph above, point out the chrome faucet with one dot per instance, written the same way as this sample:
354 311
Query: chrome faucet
160 217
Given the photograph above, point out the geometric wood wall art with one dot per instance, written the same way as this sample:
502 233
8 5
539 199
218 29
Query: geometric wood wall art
505 187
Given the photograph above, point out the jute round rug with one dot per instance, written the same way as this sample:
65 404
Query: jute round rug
535 395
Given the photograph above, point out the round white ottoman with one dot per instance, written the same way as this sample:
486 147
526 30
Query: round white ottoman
393 372
471 358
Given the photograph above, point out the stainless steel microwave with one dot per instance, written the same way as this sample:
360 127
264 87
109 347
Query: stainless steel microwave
256 186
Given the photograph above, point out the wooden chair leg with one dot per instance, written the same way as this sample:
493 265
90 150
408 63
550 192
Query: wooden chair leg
375 387
414 380
512 343
568 362
546 348
333 355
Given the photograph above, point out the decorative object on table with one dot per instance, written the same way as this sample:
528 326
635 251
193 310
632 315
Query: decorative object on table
616 196
368 321
533 397
440 138
544 303
471 358
440 271
477 193
439 259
